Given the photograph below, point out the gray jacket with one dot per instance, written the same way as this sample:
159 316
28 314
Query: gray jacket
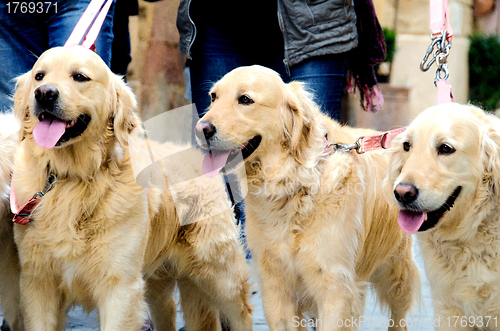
310 28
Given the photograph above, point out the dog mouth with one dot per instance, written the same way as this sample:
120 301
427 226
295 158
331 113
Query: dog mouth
411 221
216 159
53 131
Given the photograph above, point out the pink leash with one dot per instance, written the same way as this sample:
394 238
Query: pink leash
366 143
95 8
87 29
442 35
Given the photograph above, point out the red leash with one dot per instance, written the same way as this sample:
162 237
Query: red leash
87 28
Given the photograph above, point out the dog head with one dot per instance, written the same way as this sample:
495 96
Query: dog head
71 97
446 163
254 112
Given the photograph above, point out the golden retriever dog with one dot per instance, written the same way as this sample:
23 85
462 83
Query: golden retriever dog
444 173
9 263
318 225
97 238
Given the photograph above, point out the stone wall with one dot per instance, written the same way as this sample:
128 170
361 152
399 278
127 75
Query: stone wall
410 18
156 71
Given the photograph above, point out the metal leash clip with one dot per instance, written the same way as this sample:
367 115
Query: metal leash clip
49 184
440 48
347 147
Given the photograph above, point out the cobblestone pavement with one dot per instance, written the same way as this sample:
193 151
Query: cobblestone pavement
420 319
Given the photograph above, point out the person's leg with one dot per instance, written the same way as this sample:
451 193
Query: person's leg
22 39
325 77
213 55
120 58
62 23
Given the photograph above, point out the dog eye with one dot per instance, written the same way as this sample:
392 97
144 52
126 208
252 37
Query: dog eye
445 149
245 100
406 146
39 76
80 78
213 96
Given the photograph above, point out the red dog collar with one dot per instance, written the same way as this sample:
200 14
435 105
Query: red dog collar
22 215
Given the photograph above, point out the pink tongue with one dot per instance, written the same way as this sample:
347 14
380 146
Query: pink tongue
409 221
213 162
48 132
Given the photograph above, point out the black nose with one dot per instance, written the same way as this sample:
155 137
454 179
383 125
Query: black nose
46 94
406 193
205 130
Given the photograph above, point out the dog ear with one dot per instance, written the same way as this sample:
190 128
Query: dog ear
21 99
124 108
301 129
490 157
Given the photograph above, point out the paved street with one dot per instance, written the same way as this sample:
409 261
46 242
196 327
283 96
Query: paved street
421 318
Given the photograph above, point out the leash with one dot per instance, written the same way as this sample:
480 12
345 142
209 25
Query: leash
85 33
22 215
441 37
87 28
366 143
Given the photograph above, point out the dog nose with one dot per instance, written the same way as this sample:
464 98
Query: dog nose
46 93
406 193
205 130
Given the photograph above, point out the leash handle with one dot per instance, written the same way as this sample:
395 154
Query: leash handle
95 8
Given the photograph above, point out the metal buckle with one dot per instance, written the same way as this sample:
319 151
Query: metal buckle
440 55
382 140
347 147
49 184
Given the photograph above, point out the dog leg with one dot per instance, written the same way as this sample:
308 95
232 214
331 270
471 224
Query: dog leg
123 307
41 302
200 312
280 307
228 290
338 306
278 297
397 284
10 273
159 295
214 261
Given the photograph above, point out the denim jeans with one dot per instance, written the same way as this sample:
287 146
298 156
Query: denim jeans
215 53
24 37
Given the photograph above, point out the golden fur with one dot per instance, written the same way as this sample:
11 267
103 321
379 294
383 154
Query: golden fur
462 252
97 233
9 263
318 224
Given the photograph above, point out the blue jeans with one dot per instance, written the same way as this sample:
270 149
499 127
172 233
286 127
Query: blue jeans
215 53
24 37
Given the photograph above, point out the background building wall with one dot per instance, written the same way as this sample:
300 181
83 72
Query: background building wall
410 18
